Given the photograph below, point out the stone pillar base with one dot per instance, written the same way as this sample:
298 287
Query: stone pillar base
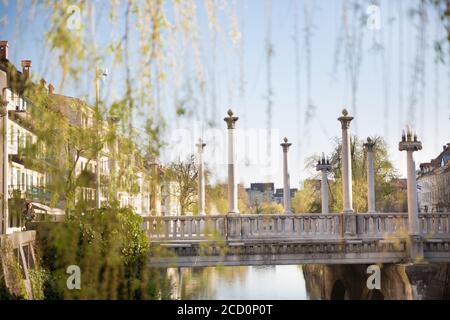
415 248
349 224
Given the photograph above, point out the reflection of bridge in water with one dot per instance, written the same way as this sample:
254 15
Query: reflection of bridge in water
325 238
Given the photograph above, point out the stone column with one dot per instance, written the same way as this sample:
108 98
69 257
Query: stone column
346 163
324 166
286 188
232 185
410 144
370 176
348 218
201 178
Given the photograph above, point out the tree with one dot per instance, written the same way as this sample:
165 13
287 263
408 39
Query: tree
306 200
271 208
216 198
111 249
185 175
388 196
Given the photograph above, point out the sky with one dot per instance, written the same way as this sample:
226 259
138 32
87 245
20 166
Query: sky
387 79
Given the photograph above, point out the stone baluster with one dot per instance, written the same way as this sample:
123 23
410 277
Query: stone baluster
286 188
324 166
410 144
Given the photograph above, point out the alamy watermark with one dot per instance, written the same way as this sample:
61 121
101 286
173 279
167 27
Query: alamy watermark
74 19
74 279
374 280
373 21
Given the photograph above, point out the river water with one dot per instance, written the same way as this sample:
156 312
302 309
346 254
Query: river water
236 283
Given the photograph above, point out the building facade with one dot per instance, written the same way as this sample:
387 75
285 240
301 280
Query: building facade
433 183
25 161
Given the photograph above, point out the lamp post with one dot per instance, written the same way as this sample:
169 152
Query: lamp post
370 176
201 178
324 166
410 144
4 221
98 75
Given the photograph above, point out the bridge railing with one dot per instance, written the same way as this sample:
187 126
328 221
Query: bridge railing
379 225
435 224
243 226
290 226
184 227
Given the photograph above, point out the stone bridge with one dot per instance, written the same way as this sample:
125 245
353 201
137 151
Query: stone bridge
255 239
325 238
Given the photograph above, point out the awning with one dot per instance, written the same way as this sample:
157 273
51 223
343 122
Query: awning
47 209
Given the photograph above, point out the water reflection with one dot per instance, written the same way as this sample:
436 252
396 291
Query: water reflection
240 283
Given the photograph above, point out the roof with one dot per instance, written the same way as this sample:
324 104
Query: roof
442 161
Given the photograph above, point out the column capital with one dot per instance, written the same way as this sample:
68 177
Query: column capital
409 141
285 144
200 145
345 119
369 144
230 120
323 164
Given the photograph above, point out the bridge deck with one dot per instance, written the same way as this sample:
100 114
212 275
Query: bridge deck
291 239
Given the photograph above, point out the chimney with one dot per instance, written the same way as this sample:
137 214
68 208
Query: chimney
51 89
3 50
26 65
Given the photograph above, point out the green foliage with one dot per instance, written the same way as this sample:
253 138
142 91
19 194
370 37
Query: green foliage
306 200
184 175
388 196
111 250
13 272
271 208
216 198
38 278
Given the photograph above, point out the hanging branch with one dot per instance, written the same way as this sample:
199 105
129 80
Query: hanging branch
310 107
269 55
242 84
400 63
437 60
385 62
296 38
418 72
214 30
353 53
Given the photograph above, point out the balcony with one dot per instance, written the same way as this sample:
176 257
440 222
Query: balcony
28 193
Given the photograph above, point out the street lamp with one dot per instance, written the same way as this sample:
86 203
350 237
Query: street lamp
98 74
5 212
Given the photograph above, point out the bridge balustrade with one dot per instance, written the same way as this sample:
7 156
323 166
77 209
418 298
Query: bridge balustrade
434 224
380 225
289 226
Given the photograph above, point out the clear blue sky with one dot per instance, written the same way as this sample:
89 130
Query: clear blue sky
330 89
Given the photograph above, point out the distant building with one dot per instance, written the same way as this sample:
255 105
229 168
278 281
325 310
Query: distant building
401 202
433 183
260 193
170 205
279 193
265 193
